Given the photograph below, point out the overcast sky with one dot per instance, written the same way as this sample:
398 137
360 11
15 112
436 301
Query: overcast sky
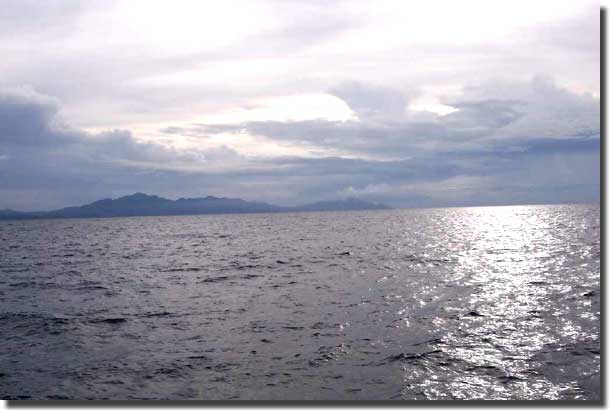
410 103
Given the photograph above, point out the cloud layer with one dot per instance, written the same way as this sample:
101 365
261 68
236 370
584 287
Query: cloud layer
189 101
472 156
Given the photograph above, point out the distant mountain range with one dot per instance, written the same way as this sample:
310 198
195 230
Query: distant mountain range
140 204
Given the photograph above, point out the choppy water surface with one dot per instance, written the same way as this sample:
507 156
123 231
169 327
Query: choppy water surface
462 303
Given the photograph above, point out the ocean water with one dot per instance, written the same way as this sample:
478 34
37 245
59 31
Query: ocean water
457 303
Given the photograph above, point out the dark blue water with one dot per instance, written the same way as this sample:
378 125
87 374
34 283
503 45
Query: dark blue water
462 303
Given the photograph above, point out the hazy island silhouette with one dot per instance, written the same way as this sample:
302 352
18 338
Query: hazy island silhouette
140 204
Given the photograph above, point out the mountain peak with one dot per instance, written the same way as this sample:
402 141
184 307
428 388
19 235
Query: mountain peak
138 195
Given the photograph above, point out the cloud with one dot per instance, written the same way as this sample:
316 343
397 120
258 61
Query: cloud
371 102
289 48
542 109
520 112
483 115
533 142
28 118
476 155
42 157
148 82
31 122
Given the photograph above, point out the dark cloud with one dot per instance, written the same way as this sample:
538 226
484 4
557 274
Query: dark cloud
28 118
31 122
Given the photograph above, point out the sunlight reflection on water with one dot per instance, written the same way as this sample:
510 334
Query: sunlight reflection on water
510 263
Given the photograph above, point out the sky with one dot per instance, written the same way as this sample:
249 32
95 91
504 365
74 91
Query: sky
408 103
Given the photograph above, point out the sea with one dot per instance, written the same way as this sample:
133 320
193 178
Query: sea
413 304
